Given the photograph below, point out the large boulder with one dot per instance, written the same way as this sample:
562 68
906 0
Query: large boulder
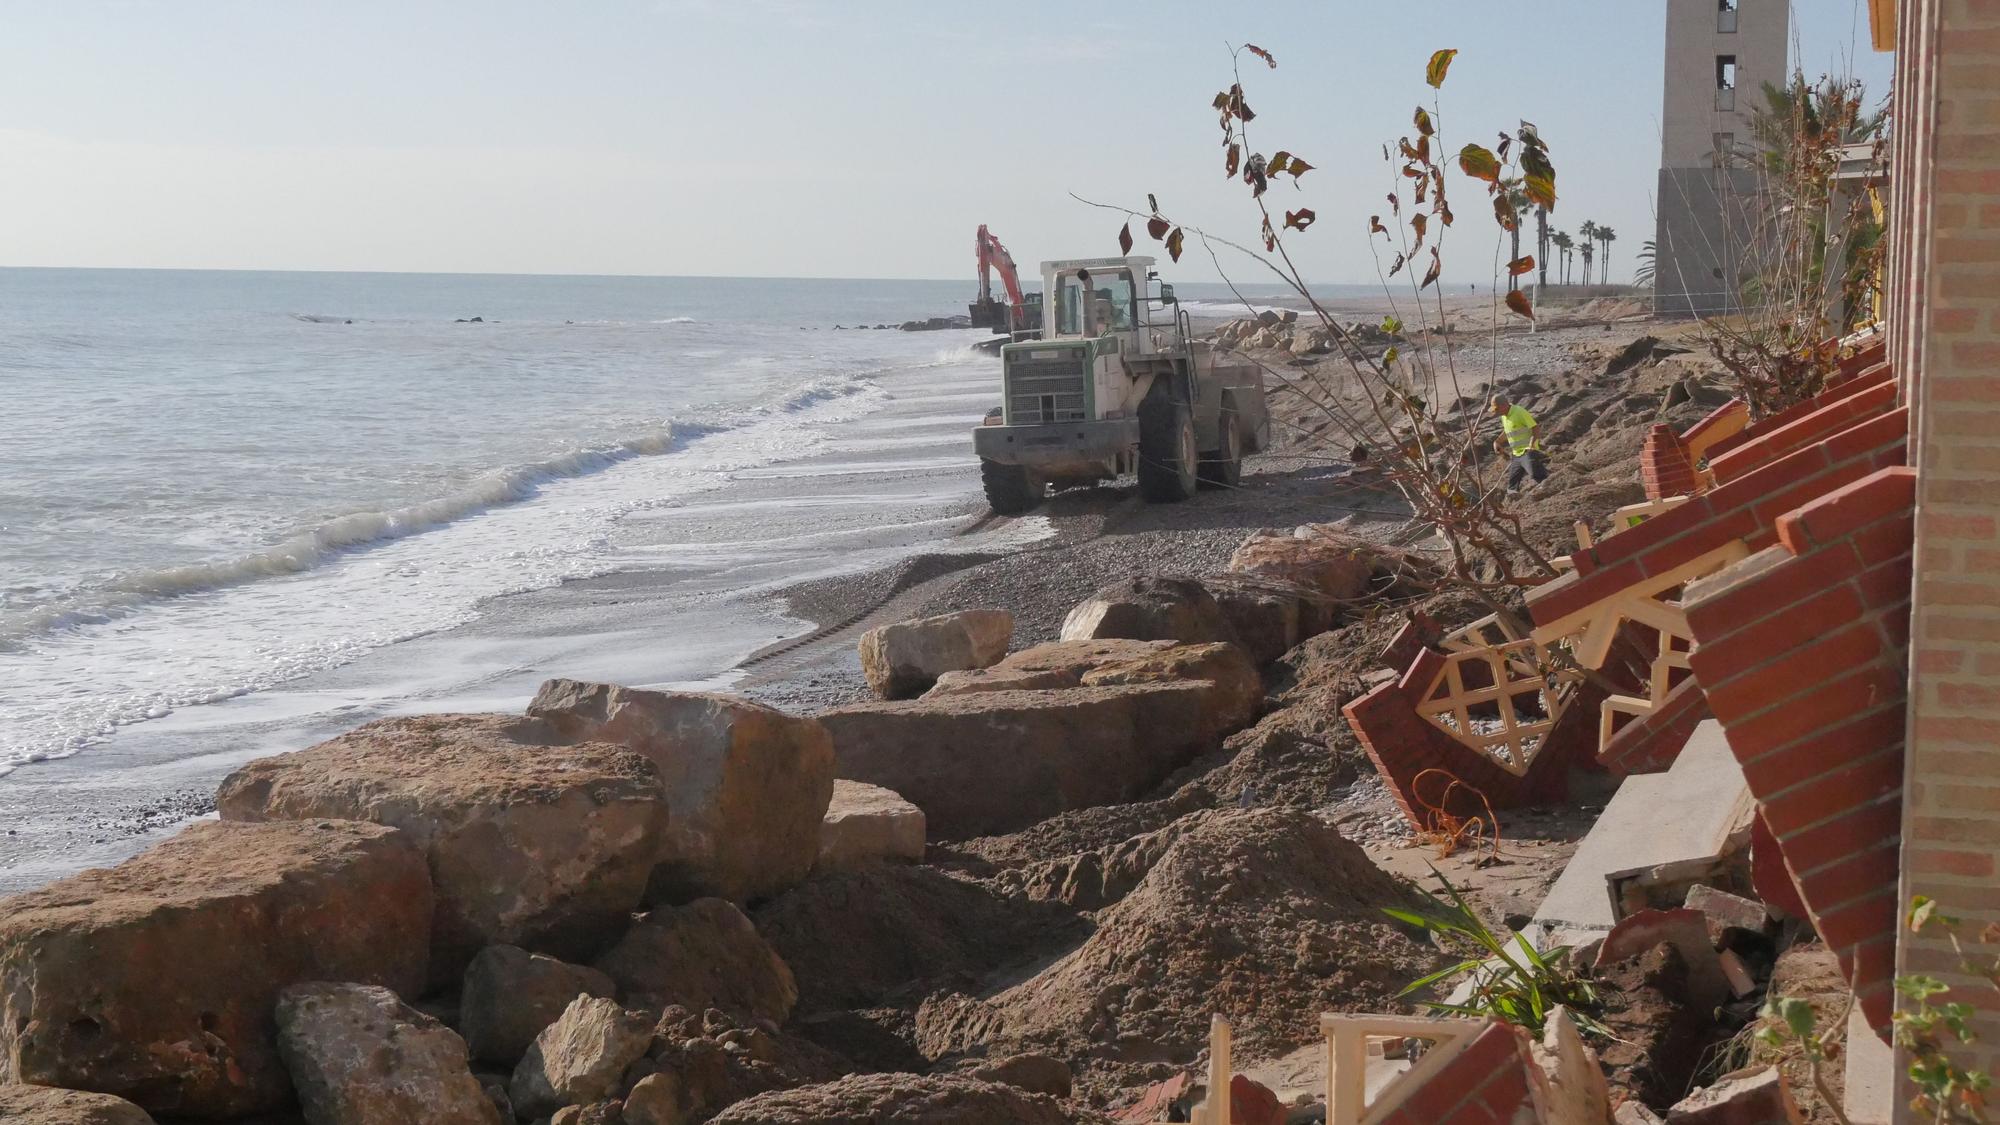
1270 616
899 1099
1341 569
704 955
531 842
46 1105
747 785
360 1056
510 995
986 763
1237 694
903 660
1057 664
1149 608
155 980
868 824
580 1058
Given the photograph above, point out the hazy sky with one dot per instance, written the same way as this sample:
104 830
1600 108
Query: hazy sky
858 138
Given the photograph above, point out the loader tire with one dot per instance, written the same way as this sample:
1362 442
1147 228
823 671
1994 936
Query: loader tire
1222 467
1167 453
1010 489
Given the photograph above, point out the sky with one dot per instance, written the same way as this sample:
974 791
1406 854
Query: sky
789 138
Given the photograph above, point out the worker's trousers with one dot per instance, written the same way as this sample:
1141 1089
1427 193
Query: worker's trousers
1532 465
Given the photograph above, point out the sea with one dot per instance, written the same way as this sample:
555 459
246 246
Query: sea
240 511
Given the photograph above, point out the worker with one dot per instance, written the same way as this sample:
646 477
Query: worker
1521 441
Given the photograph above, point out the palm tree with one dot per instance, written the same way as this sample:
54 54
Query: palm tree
1517 202
1542 244
1643 276
1586 251
1563 242
1607 236
1588 233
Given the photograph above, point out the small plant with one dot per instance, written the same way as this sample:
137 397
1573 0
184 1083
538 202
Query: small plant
1945 1090
1512 981
1791 1027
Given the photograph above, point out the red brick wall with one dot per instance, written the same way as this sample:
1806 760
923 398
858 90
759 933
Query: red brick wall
1488 1082
1801 652
1650 743
1947 199
1664 468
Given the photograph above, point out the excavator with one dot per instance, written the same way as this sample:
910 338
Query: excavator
1022 314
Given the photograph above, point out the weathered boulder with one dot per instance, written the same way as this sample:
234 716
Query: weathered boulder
46 1105
1238 691
1149 608
1269 616
1334 565
359 1056
867 824
597 1113
1337 566
155 980
655 1100
531 842
704 955
991 762
1058 664
898 1099
580 1058
747 785
510 995
903 660
1037 1074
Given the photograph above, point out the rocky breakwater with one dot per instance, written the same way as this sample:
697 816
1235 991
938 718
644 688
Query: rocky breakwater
746 786
157 980
530 842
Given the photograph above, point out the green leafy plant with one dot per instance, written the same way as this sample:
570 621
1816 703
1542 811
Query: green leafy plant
1511 979
1791 1027
1927 1023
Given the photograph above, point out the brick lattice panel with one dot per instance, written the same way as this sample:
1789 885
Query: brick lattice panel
1487 1084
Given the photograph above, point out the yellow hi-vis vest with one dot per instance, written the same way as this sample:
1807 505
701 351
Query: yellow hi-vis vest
1519 426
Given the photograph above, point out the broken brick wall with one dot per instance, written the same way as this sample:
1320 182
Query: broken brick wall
1801 651
1486 1083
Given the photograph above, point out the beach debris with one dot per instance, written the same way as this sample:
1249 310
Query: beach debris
1745 1097
510 995
46 1105
869 824
903 660
580 1058
746 785
704 955
1149 608
154 980
359 1055
530 843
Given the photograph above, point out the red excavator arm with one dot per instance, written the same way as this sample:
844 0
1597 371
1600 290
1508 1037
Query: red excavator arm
994 256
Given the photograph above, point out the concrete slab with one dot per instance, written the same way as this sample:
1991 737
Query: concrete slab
1688 812
1870 1092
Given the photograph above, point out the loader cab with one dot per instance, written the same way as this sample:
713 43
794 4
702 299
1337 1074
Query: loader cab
1098 298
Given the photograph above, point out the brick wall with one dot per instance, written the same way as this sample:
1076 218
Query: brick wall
1664 467
1487 1083
1650 743
1801 650
1948 289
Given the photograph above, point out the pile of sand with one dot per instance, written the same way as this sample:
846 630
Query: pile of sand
1267 916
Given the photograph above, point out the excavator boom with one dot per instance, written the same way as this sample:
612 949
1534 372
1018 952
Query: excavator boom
986 312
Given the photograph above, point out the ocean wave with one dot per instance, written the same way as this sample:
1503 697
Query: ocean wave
353 531
320 318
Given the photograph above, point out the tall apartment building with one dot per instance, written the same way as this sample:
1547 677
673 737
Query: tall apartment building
1719 54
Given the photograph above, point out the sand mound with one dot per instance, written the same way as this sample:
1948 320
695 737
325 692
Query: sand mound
1268 916
856 939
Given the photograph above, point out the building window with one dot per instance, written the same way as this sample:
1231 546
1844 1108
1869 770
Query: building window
1725 148
1725 82
1725 16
